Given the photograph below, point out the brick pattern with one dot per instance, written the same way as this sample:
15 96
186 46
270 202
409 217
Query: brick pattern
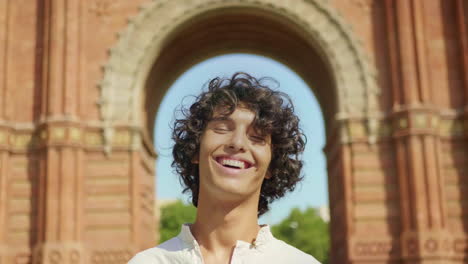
455 169
376 202
22 207
107 198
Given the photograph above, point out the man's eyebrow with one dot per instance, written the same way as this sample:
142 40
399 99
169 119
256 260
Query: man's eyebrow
221 118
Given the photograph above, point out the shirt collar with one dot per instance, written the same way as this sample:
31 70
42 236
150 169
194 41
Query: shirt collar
186 235
263 237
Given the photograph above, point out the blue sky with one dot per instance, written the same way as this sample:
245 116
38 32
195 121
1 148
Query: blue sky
311 192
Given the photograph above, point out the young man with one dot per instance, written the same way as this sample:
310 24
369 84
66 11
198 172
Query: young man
236 149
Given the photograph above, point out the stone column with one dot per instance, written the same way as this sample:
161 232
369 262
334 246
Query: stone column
424 232
462 19
460 243
60 185
4 154
338 153
4 171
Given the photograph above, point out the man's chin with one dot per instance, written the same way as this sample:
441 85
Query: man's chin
228 190
234 195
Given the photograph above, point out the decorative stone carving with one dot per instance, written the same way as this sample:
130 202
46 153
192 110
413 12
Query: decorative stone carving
93 139
357 130
420 121
75 134
22 141
111 256
375 248
55 257
122 138
58 253
431 245
451 127
435 245
57 133
403 123
3 137
412 246
434 122
22 258
75 257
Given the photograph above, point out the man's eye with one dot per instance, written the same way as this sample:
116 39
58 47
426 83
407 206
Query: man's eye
258 138
221 129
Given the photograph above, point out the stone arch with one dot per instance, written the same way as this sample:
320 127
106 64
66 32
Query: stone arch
149 34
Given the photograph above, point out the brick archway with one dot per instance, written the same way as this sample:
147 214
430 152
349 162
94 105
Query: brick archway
77 159
163 27
158 46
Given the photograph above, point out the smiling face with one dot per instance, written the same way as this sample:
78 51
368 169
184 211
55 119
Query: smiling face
233 157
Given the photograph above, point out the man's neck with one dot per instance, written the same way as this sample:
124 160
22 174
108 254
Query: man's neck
218 226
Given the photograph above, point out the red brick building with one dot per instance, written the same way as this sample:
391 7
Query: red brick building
81 81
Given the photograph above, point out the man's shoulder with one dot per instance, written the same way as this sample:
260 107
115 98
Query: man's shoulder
167 252
171 245
293 254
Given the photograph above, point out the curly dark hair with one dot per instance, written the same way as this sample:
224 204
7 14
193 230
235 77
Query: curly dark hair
274 115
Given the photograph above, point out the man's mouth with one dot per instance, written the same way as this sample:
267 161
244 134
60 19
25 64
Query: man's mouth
233 163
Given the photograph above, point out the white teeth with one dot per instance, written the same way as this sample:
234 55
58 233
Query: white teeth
234 163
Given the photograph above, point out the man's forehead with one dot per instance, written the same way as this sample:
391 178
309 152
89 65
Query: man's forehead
225 112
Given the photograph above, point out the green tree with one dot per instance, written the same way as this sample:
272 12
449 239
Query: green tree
306 231
172 217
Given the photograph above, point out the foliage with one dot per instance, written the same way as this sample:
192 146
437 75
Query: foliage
172 217
306 231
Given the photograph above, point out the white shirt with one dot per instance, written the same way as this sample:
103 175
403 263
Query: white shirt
184 249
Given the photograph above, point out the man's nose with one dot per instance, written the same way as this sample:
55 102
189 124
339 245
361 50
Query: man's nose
238 141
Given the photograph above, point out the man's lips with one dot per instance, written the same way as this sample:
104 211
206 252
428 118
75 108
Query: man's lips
233 162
